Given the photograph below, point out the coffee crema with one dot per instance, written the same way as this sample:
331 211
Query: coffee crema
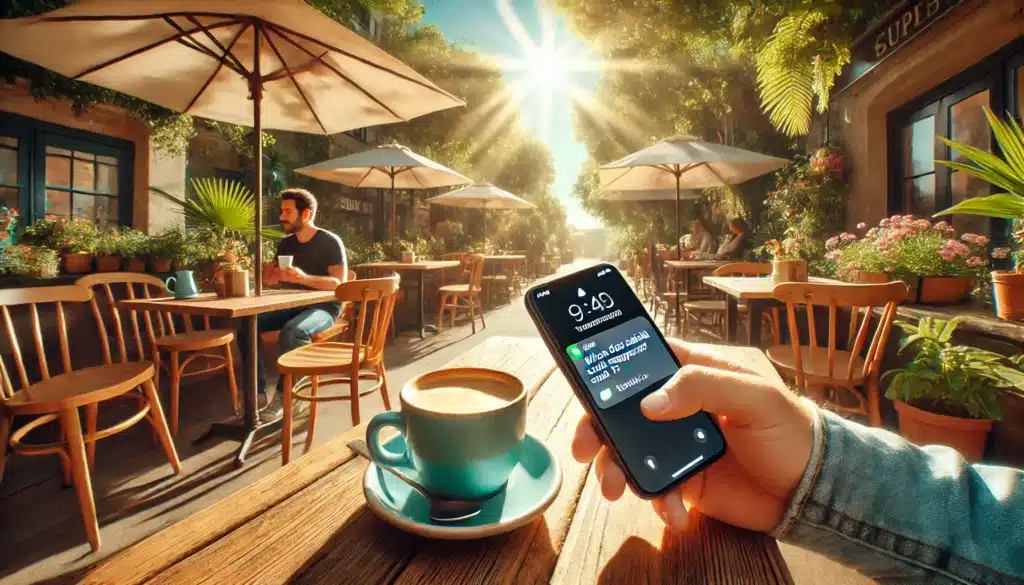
463 395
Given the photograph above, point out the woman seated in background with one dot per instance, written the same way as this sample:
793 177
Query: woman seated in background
700 242
735 246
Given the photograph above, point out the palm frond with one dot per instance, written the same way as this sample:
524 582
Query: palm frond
220 204
788 74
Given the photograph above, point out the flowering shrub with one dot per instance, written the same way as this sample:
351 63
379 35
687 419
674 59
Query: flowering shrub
35 261
792 247
807 204
906 247
67 235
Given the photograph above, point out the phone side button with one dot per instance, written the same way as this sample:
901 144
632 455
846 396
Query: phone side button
683 469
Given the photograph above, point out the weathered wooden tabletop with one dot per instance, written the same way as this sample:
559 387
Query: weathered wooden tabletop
308 522
412 266
690 264
211 305
746 288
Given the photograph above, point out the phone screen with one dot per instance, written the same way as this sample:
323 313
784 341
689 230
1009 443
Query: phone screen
614 354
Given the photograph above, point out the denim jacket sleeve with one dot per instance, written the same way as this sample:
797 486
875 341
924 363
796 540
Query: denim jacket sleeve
900 513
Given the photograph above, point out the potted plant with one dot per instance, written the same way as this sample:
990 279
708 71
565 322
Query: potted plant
165 248
935 263
31 261
73 238
134 245
108 251
788 265
407 251
1007 173
948 394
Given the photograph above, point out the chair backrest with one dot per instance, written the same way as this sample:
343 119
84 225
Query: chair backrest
475 266
32 298
858 298
750 269
352 276
376 304
155 324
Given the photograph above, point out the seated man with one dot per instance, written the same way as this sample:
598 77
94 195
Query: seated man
318 262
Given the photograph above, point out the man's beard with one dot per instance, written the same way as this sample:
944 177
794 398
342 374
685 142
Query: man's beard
291 228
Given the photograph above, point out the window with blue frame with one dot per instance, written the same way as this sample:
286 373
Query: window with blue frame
51 170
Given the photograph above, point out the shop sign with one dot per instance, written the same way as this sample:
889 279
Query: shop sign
892 32
354 205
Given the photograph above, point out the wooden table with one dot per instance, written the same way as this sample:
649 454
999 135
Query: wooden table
248 308
308 522
681 269
758 295
421 269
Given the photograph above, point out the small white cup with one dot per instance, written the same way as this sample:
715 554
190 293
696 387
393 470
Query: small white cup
285 261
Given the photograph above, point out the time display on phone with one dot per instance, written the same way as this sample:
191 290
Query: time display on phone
597 303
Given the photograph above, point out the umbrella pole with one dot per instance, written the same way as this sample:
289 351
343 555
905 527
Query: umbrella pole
255 83
679 235
394 208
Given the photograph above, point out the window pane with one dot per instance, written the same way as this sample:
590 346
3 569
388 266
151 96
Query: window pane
919 147
106 179
964 186
58 171
96 208
85 155
919 195
55 150
8 141
9 197
968 125
110 160
106 209
85 175
84 206
8 166
58 202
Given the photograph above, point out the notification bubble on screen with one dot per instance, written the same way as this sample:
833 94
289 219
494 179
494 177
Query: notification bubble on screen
622 361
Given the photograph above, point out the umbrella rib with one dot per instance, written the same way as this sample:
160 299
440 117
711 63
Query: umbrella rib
220 64
427 85
295 82
280 32
188 41
359 184
715 173
241 70
134 52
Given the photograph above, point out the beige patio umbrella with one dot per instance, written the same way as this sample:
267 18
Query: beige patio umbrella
482 196
685 162
387 166
274 64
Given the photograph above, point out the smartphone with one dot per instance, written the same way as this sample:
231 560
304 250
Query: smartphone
613 355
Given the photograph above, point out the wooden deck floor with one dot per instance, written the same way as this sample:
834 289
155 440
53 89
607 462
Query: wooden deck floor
42 539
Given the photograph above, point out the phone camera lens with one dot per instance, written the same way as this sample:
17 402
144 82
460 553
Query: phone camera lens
700 435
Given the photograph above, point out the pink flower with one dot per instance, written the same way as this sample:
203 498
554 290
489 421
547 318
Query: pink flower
953 249
832 242
890 268
885 222
872 232
970 238
846 237
943 226
923 224
862 226
1001 253
834 255
975 261
947 255
853 265
982 241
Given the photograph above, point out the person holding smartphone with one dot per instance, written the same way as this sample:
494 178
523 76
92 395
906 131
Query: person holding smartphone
863 496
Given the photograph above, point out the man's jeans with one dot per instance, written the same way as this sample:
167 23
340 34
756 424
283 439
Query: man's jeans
297 327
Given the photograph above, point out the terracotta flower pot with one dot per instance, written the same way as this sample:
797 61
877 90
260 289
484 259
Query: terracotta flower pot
966 435
789 271
942 291
408 257
161 266
78 263
136 265
1009 292
864 277
108 263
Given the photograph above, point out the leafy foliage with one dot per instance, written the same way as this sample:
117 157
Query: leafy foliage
35 261
225 206
957 380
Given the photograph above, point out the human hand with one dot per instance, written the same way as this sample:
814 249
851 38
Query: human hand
270 274
293 275
768 431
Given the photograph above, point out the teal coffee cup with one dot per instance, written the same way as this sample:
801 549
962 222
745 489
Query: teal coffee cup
463 430
184 285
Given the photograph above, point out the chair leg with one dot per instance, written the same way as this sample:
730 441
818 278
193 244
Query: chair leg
5 435
92 412
314 387
453 309
175 382
384 385
874 410
354 397
72 424
776 327
229 364
480 307
440 312
156 418
286 426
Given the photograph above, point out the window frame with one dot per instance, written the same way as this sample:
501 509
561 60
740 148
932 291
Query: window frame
36 135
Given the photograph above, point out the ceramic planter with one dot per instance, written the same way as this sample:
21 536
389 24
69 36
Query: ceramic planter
942 291
864 277
236 283
408 257
78 263
1008 289
108 263
966 435
789 271
161 266
137 265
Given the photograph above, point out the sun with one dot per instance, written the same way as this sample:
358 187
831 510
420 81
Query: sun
546 68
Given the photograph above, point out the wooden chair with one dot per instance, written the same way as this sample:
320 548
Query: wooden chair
833 369
183 348
58 397
714 308
454 275
470 291
332 362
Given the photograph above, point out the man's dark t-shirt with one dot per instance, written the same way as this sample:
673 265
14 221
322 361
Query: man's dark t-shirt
314 257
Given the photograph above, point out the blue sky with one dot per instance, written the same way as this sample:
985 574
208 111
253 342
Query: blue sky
478 25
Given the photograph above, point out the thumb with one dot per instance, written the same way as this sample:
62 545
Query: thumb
743 398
